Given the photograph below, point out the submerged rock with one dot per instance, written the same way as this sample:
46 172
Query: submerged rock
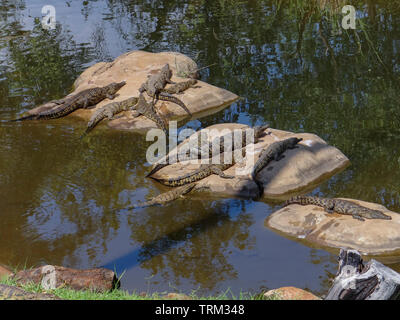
134 67
313 162
313 224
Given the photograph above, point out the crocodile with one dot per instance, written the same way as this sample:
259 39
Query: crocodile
165 197
156 83
179 87
202 172
340 206
109 111
83 99
147 109
208 147
274 152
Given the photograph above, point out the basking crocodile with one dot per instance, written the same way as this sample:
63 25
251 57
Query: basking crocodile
109 111
166 197
83 99
156 83
340 206
179 87
274 152
202 172
147 109
208 147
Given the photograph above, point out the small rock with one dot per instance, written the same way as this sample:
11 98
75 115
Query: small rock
52 277
290 293
177 296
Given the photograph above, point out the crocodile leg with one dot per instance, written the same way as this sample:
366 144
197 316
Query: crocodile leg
86 103
135 113
278 157
357 217
119 116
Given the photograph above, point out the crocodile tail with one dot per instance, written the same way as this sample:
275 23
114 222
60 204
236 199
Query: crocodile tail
260 186
167 97
28 117
305 200
294 200
156 168
88 129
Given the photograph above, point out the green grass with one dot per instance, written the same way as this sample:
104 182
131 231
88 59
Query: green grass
69 294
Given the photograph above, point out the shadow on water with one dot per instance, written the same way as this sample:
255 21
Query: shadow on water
163 244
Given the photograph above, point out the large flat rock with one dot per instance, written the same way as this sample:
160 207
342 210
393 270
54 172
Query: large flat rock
301 168
134 67
312 224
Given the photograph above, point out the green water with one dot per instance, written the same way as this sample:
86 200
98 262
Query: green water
294 67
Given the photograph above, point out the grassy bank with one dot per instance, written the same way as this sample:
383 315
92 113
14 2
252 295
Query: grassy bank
69 294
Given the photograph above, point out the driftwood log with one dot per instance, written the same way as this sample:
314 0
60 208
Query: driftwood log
52 277
14 293
358 281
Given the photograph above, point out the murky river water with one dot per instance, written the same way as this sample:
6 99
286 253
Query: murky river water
294 67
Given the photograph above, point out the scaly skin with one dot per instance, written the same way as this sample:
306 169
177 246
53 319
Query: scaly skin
109 111
83 99
204 171
273 152
157 82
180 86
340 206
155 85
167 97
147 109
258 132
166 197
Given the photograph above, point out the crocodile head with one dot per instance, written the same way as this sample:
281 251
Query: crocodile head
259 130
293 141
115 86
166 70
